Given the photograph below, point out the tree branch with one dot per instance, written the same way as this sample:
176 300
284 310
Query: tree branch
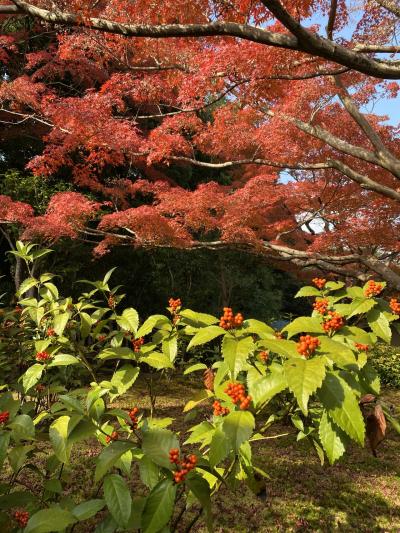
302 40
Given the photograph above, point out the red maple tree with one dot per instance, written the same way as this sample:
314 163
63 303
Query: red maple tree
264 102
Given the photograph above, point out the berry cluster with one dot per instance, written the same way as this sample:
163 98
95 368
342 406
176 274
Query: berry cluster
111 302
334 322
21 517
113 436
4 416
307 345
134 419
278 335
18 309
238 394
43 357
362 347
101 338
219 410
321 306
175 305
137 344
395 306
50 332
229 321
184 466
319 282
263 356
373 288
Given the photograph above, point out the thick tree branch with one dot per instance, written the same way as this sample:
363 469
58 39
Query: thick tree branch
302 40
388 160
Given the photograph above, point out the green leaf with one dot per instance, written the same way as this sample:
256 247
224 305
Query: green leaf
86 324
4 442
307 291
52 519
64 359
59 323
197 319
206 335
32 376
58 434
331 440
219 447
201 490
361 305
170 348
304 377
369 379
149 472
263 388
159 507
238 427
280 346
304 324
23 427
340 354
86 510
198 398
115 352
118 498
259 328
26 285
379 324
72 403
235 353
129 320
123 379
157 444
194 368
154 321
109 456
342 406
334 285
157 360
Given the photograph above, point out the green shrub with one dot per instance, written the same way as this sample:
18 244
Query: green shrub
386 360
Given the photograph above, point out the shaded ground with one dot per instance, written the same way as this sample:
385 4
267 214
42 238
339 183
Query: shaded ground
360 493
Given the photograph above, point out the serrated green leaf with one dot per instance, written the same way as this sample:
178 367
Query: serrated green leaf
342 406
235 353
360 305
206 335
238 427
32 376
47 520
154 321
157 443
157 360
304 324
86 510
109 456
340 354
307 291
195 368
123 379
219 447
118 498
304 377
263 388
331 440
159 507
379 324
